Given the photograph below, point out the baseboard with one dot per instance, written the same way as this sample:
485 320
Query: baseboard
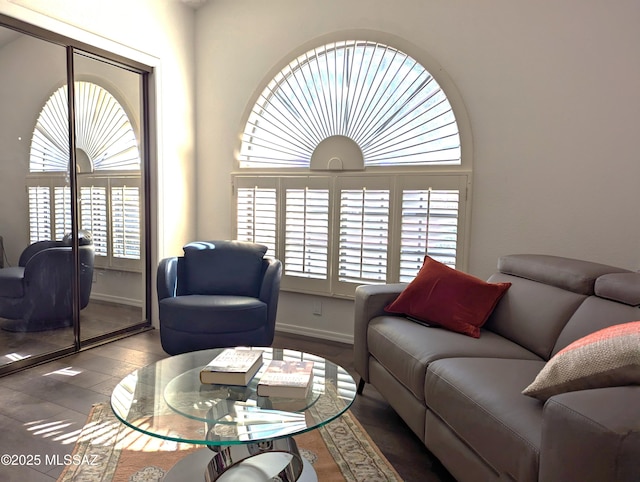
118 300
315 333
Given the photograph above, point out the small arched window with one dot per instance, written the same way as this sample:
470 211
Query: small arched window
340 108
108 164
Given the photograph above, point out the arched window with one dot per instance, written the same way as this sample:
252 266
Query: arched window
380 98
108 165
337 169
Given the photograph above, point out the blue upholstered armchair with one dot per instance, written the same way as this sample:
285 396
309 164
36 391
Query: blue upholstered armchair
36 295
218 294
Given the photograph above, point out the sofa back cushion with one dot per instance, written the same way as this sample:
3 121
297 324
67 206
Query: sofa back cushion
546 291
223 268
532 314
616 301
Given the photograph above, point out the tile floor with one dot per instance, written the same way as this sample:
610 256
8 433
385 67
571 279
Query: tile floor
43 408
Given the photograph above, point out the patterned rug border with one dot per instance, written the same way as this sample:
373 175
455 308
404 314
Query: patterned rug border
101 442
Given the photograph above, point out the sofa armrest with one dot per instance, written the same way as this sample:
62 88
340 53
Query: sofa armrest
167 282
592 435
370 301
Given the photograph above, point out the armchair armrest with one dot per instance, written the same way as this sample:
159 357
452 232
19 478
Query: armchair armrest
592 435
270 288
167 281
370 301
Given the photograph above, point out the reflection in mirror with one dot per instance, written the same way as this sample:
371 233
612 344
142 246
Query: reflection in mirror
110 197
36 211
35 274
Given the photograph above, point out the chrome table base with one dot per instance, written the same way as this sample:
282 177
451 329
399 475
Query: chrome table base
275 460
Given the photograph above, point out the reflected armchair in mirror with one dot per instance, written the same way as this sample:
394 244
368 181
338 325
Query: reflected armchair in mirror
36 295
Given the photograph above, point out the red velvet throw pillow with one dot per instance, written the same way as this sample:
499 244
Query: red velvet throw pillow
446 297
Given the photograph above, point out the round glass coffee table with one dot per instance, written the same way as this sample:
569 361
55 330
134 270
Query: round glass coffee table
247 437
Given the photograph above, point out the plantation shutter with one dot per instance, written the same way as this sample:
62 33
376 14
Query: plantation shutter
93 217
39 213
306 233
363 233
62 211
430 216
381 98
125 222
256 212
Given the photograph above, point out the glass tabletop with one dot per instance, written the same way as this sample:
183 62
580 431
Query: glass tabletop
167 400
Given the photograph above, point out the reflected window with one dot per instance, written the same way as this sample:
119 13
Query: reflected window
109 181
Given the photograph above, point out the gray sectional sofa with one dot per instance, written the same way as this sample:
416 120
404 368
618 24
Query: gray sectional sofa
463 398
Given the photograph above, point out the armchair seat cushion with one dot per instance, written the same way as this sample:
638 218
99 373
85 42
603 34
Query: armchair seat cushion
11 285
213 313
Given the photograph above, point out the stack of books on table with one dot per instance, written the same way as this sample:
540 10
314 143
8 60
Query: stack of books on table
233 366
286 379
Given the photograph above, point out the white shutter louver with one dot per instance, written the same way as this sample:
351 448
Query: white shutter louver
364 238
307 233
378 96
39 213
103 132
256 216
62 210
125 222
429 227
93 216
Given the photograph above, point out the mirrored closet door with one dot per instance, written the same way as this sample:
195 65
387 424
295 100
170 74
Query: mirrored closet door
29 70
109 153
73 197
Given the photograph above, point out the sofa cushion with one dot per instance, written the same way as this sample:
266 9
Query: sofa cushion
594 314
622 287
532 314
224 267
606 358
406 349
446 297
480 400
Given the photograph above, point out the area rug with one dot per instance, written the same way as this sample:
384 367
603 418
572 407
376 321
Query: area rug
108 451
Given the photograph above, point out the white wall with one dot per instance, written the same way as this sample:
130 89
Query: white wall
551 90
